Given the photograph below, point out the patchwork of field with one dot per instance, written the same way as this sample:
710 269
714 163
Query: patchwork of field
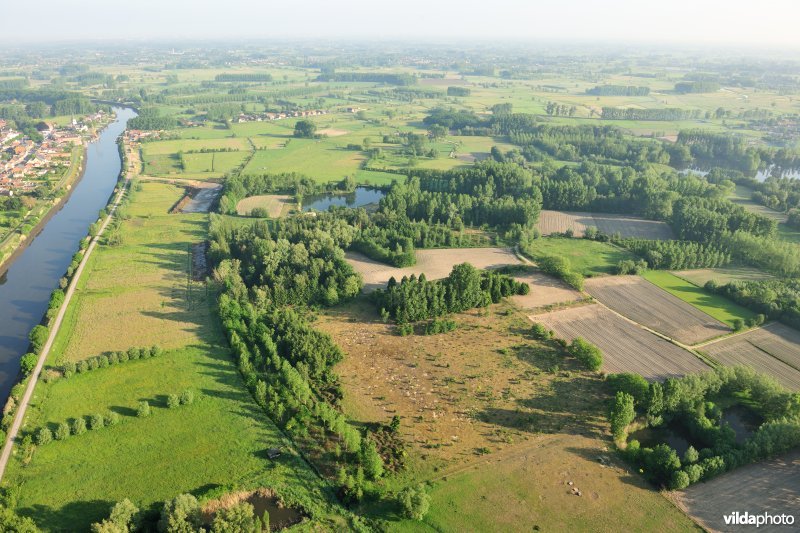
560 221
774 350
770 486
435 264
273 203
626 347
721 275
646 304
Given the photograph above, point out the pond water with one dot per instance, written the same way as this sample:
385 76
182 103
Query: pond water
742 420
361 196
762 175
279 517
650 437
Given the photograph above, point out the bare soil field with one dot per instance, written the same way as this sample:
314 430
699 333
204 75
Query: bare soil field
273 203
774 350
626 347
545 290
646 304
435 264
722 275
560 221
770 486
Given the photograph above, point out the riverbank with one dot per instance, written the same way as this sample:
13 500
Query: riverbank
25 240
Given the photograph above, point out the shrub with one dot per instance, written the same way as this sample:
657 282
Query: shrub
94 364
405 329
28 362
622 414
112 418
680 480
38 337
133 353
124 518
144 353
738 324
633 384
103 361
62 431
43 436
68 369
182 513
113 359
587 353
96 421
155 351
82 367
540 332
79 426
173 401
415 502
187 397
122 356
691 455
143 410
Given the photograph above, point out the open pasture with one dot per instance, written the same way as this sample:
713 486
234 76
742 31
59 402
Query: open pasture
626 347
770 486
434 263
646 304
560 221
589 258
319 159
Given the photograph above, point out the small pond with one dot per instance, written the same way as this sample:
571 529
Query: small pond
651 437
279 517
742 420
361 196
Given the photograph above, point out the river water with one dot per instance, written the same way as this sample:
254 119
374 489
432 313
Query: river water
25 288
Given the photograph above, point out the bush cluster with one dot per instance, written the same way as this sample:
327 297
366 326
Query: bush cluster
102 361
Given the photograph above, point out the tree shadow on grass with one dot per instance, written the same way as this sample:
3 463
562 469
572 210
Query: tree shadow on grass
74 516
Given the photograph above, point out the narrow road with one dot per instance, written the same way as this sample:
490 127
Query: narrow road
19 416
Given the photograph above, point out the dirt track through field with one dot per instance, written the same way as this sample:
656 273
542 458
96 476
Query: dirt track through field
655 308
626 347
560 221
770 486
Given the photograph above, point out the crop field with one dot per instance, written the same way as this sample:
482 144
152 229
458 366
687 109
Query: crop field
434 263
714 305
491 423
646 304
590 258
133 295
216 162
773 349
275 204
769 486
721 275
626 347
560 221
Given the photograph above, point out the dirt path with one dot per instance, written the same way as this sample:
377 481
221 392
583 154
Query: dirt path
23 405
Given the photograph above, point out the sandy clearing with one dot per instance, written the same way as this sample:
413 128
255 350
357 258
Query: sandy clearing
655 308
273 203
545 290
435 264
771 486
560 221
202 200
626 347
332 132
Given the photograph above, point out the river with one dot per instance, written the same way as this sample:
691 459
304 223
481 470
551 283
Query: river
26 287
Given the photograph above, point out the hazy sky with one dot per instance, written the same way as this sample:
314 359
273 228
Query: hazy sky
764 22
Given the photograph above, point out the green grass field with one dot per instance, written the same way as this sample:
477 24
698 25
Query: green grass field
714 305
134 295
590 258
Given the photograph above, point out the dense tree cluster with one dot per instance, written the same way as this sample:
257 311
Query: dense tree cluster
243 77
773 299
369 77
691 403
414 299
676 255
699 86
458 91
666 113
